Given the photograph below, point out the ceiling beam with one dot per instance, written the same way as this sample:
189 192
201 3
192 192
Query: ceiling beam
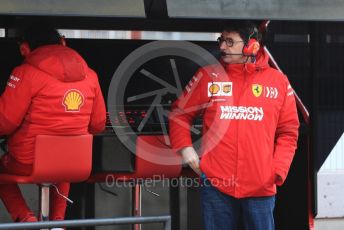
320 10
89 8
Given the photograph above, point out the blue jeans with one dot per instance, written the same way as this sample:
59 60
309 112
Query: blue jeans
223 212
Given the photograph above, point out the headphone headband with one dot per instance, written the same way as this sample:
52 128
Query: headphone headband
253 33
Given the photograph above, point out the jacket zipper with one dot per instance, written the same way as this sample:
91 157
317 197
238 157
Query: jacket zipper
241 95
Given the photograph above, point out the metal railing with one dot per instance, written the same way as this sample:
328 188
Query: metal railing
166 220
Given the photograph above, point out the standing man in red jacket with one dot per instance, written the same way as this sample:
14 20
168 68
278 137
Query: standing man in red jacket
37 101
250 131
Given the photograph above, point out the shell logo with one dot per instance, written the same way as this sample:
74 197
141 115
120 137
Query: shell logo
214 88
73 100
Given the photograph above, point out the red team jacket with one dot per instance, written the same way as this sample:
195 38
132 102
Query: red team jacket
52 92
250 125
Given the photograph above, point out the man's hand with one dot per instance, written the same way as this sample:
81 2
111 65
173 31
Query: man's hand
278 180
191 158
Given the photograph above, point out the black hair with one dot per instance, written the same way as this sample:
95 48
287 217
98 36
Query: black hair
38 34
246 29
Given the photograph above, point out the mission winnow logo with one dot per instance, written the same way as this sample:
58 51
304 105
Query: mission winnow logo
242 113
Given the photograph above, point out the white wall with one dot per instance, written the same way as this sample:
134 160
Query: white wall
331 184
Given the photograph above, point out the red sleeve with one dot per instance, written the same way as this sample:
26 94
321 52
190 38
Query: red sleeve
185 109
15 101
286 135
98 116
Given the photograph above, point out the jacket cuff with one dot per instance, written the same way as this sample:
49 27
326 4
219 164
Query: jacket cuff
282 174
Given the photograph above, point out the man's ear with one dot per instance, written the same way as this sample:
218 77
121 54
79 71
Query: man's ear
25 49
63 41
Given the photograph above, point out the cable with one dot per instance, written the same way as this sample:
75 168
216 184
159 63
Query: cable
65 197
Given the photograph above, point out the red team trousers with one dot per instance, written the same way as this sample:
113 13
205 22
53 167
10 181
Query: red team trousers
14 200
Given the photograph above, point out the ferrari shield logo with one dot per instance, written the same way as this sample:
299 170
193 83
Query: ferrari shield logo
257 89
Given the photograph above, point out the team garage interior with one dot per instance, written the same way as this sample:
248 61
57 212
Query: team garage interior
306 44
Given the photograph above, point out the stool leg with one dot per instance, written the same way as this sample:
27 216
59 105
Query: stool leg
137 201
45 202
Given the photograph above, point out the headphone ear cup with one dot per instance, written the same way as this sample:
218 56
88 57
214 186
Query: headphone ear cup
24 49
251 48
